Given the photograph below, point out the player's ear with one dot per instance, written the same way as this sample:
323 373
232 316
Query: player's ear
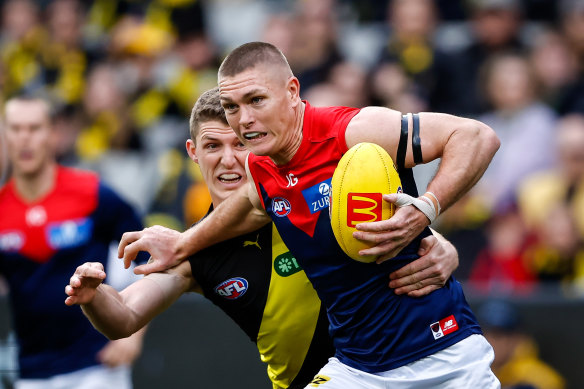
192 150
293 88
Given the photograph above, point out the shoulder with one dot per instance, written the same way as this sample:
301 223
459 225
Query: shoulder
327 120
80 182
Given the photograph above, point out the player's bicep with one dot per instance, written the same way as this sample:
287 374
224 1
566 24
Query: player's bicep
435 131
377 125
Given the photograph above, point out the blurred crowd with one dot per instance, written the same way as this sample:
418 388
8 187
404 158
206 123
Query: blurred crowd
123 76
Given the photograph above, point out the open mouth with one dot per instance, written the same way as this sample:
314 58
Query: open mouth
230 178
254 135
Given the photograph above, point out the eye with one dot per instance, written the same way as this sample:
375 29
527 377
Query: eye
257 99
229 107
211 146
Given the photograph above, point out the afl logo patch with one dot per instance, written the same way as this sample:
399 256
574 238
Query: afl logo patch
281 207
232 289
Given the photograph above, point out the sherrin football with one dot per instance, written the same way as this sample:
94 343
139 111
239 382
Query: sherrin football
363 175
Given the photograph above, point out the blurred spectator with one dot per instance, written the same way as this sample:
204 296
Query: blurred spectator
516 364
523 123
410 44
391 87
526 128
279 31
572 25
555 67
495 26
552 204
502 266
314 50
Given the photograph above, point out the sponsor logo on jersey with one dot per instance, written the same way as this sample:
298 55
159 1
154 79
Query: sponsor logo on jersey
232 289
363 207
292 180
286 265
281 207
252 242
11 241
317 197
444 327
319 380
69 233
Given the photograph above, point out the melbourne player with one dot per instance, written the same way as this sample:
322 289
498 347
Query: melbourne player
52 219
381 339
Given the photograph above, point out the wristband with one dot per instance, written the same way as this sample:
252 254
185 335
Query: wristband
424 204
436 203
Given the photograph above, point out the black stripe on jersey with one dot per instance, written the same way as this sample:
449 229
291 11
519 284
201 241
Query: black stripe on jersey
320 350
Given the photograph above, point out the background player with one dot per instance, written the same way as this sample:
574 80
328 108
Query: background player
253 278
53 219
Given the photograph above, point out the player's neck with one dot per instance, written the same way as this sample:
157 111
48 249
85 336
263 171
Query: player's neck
286 155
34 186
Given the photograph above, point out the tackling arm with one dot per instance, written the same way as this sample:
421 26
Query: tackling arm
238 214
120 314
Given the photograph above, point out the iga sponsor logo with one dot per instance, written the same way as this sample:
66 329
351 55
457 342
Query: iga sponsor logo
363 207
317 197
444 327
281 207
232 289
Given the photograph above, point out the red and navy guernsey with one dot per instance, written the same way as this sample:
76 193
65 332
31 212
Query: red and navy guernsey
41 245
373 329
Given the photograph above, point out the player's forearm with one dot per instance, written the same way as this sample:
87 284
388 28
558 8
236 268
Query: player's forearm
109 314
119 315
233 217
466 156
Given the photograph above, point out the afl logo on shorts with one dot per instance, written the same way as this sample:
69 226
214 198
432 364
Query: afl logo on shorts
232 289
281 207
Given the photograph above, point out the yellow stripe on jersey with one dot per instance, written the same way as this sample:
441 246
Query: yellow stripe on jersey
290 316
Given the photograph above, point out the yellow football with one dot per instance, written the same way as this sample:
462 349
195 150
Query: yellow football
363 175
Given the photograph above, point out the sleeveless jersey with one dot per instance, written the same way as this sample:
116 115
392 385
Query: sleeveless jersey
41 245
372 328
255 280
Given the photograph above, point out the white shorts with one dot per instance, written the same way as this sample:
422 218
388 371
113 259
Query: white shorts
95 377
466 364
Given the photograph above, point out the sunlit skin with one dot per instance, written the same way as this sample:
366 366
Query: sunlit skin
221 157
266 117
30 140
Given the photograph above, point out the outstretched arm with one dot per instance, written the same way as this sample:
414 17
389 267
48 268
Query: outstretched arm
466 147
238 214
120 314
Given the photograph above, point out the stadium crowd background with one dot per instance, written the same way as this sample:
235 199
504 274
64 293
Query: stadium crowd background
123 76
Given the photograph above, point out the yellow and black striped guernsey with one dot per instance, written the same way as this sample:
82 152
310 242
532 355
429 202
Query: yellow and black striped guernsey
258 283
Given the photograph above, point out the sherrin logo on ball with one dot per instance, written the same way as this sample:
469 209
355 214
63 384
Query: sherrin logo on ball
364 174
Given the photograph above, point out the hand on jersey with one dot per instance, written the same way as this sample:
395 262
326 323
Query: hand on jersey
438 260
84 282
392 235
160 242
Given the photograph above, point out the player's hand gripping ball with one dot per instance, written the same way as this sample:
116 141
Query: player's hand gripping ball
363 175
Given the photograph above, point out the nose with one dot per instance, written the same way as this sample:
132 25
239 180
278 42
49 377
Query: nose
246 118
228 158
